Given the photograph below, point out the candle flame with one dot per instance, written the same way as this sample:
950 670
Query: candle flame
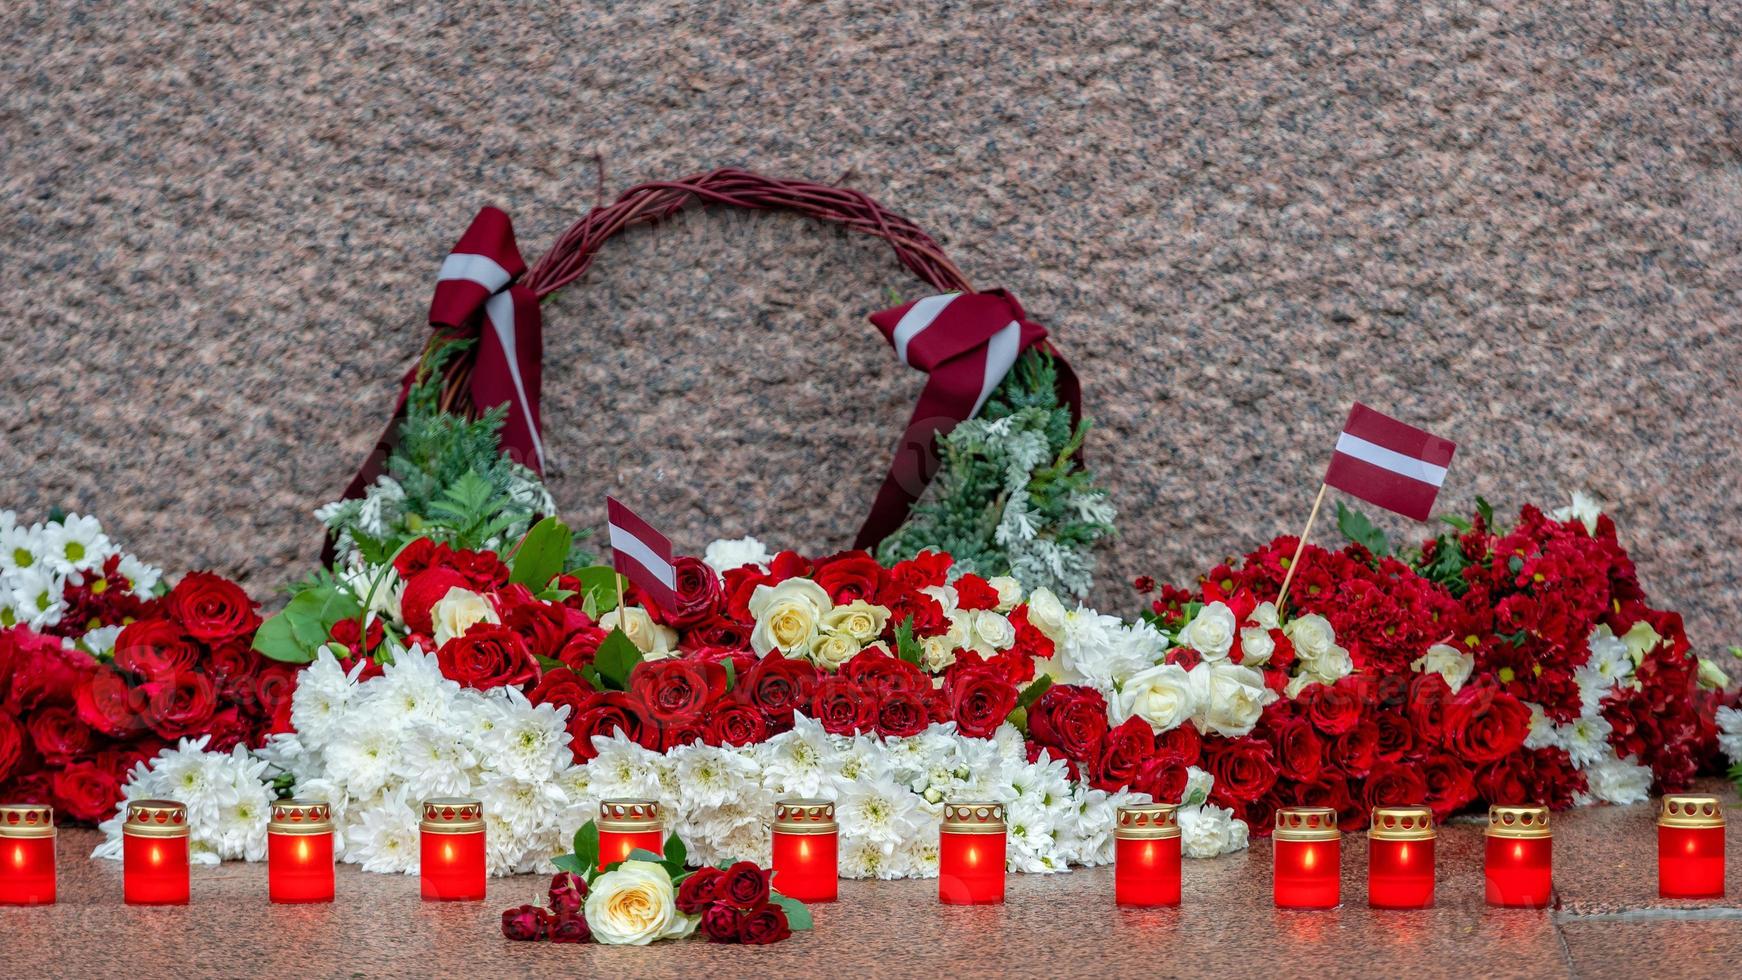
804 849
1518 852
1403 854
1309 857
302 851
156 854
448 853
18 855
973 856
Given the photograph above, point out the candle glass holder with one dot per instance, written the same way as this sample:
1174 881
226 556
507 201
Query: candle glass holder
626 826
299 852
1146 855
451 845
154 853
26 854
1308 858
971 844
806 850
1400 858
1690 847
1518 867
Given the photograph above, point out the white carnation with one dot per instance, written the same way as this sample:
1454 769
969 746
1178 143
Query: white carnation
725 555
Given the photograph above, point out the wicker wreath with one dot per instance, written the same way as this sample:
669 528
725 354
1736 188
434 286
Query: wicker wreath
985 359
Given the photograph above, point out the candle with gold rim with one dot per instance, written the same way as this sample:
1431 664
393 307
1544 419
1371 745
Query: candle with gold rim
1400 857
1307 851
1146 855
299 852
1518 867
451 849
1690 847
154 853
971 843
806 850
628 825
26 854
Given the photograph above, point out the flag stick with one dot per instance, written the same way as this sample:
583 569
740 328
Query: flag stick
1300 546
619 577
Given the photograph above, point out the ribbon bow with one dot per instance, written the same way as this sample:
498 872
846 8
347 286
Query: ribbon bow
967 343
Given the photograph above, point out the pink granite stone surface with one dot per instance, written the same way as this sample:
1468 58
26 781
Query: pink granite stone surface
1515 224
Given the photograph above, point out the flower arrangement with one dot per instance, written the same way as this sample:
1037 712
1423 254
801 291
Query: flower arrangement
655 896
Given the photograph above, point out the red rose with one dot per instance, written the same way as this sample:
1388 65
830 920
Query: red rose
779 685
1448 783
841 707
561 687
180 705
1126 748
570 927
719 632
1393 784
745 885
980 700
1072 719
699 591
86 790
1396 737
567 892
1244 769
1299 748
679 733
423 591
110 705
733 722
763 925
58 733
720 922
488 656
676 690
851 575
1163 777
211 608
975 593
155 648
607 713
235 664
902 715
545 626
928 568
699 890
880 674
1329 790
527 923
11 744
1354 750
1183 742
581 647
1333 708
1428 697
1484 725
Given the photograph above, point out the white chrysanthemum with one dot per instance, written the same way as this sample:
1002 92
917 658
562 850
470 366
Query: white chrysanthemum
412 690
862 857
76 544
528 741
1543 732
879 811
711 776
724 555
323 692
1207 831
1585 509
623 769
367 757
519 814
225 794
1619 781
1730 733
1586 740
1101 650
1610 663
437 763
100 642
383 837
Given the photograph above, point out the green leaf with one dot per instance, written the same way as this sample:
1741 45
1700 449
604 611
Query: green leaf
1485 510
732 670
643 854
599 583
587 847
1455 521
906 646
591 676
675 851
797 916
275 640
555 595
541 553
571 864
305 624
1357 528
548 664
1032 692
616 659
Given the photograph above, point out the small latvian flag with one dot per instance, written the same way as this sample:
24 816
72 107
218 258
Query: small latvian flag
1389 464
641 554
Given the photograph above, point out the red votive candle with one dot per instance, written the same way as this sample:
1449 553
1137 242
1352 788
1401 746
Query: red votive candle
806 850
628 825
1146 855
1519 865
1400 858
154 853
1690 847
451 849
26 854
971 843
299 852
1308 854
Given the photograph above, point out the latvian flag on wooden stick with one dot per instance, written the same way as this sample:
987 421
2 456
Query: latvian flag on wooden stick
641 554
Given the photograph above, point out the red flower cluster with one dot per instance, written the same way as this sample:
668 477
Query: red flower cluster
562 921
72 727
736 905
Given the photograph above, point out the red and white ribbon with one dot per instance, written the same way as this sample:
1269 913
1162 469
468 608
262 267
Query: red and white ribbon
641 554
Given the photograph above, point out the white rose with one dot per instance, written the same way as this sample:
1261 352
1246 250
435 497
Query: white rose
1332 664
1448 662
946 596
1009 591
992 632
459 611
1256 646
787 616
936 653
1047 614
830 650
1311 635
1211 631
859 619
1264 614
726 554
635 905
652 639
1161 695
1230 697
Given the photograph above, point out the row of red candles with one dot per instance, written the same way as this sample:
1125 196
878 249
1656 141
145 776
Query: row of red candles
971 857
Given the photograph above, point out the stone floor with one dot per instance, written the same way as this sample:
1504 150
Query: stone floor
1608 921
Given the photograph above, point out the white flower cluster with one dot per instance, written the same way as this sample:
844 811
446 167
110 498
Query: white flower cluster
1730 734
1611 778
38 562
227 799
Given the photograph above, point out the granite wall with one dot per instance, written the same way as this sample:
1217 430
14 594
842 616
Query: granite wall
1514 224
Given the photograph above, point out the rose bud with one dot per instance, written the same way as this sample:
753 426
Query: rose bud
764 924
567 892
744 885
699 890
720 923
526 923
570 928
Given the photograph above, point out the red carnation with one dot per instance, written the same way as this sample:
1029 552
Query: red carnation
211 608
841 707
488 656
975 593
676 690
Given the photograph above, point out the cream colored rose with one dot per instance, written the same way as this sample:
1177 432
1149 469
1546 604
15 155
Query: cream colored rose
830 650
1448 662
1161 695
787 616
655 641
1047 614
946 595
859 619
1311 635
459 611
1230 697
937 653
1331 664
1256 646
635 905
1264 614
1211 631
1009 591
992 632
